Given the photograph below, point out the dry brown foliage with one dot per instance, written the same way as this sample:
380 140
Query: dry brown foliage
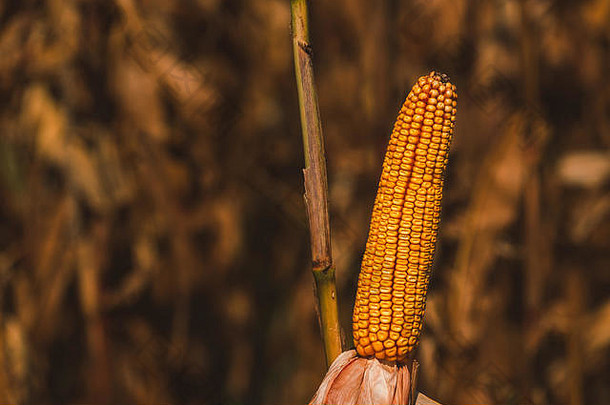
154 247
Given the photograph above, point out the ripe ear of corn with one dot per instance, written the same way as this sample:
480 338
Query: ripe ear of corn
395 269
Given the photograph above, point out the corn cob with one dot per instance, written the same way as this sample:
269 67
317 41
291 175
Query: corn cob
395 269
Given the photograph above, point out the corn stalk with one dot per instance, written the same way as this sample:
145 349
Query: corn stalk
316 187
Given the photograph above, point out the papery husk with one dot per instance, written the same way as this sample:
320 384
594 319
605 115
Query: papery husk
353 380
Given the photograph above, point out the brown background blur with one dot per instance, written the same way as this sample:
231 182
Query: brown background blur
154 246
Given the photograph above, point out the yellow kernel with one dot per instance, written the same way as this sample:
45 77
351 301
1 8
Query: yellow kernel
361 351
402 342
403 350
382 335
398 321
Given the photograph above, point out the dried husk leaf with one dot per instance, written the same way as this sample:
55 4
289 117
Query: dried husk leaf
355 380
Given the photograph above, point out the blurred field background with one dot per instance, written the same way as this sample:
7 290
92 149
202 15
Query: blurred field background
154 246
